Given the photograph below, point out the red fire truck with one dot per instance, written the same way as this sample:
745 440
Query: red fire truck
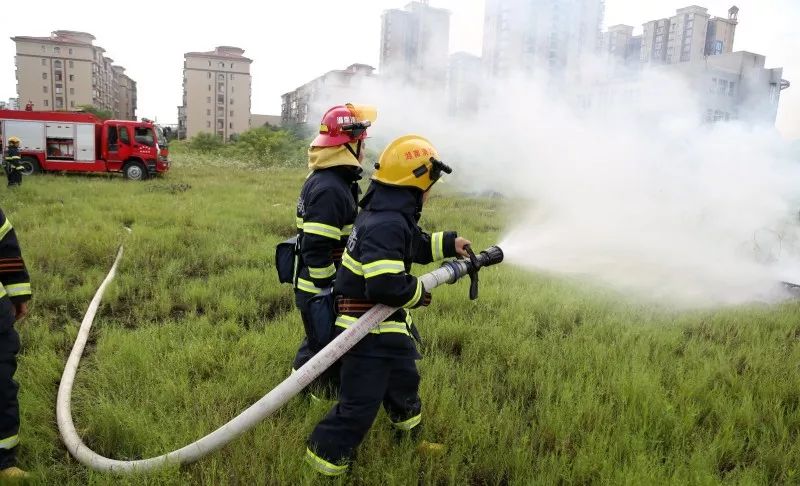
81 142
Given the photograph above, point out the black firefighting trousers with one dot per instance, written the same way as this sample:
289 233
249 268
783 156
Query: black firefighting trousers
9 407
328 382
14 177
366 383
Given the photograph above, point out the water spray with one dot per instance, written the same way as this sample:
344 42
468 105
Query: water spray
449 273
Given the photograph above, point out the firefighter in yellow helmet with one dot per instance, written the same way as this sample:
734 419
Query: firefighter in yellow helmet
385 241
13 164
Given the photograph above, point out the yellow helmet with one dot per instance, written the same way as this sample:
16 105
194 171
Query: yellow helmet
14 140
410 161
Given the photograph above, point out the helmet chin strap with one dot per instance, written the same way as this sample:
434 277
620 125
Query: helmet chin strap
357 152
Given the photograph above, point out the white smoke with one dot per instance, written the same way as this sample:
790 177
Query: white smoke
635 192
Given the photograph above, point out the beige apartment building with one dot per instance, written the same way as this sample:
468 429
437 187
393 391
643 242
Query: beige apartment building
690 35
66 70
216 93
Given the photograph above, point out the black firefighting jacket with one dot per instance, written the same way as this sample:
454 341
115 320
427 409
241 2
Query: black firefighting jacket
14 279
12 158
326 210
384 243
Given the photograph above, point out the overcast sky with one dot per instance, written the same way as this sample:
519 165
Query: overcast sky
293 42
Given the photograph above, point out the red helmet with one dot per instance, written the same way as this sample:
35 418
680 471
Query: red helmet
344 124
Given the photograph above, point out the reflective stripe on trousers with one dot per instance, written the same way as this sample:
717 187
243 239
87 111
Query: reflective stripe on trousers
322 466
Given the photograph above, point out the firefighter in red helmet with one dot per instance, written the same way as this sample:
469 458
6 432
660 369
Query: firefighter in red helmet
326 210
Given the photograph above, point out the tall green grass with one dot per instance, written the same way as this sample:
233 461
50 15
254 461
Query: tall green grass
540 381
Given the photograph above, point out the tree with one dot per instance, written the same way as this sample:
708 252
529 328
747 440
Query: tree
98 112
206 142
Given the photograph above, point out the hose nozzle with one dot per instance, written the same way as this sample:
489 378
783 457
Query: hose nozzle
490 256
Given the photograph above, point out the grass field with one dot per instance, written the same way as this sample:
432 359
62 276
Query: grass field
540 381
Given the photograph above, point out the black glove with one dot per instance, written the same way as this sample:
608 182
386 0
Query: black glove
425 300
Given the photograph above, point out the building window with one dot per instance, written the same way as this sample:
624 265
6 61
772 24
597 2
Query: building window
231 65
231 73
72 77
44 89
713 87
231 125
723 87
209 64
231 112
222 65
209 75
208 112
44 62
231 101
59 89
57 50
209 87
59 103
43 48
72 103
72 91
233 88
221 88
221 99
58 76
44 75
71 64
70 52
208 123
220 124
221 78
46 103
730 88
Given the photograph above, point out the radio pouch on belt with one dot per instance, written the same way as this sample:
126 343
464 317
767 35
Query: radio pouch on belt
285 253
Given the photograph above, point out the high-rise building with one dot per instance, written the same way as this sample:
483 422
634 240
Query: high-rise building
415 45
690 35
464 74
727 85
216 93
535 37
66 70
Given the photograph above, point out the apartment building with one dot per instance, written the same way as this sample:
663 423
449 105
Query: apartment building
539 37
306 104
415 43
689 35
216 93
66 70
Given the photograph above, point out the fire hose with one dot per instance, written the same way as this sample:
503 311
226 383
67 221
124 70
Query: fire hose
449 272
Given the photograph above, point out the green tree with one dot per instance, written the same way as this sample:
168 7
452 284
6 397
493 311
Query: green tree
98 112
270 145
206 142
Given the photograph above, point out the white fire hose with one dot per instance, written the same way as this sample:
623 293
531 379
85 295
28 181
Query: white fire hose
269 403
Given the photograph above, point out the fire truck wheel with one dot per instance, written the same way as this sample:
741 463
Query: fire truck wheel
134 171
30 166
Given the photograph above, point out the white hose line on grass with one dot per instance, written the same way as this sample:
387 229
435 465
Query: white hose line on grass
237 426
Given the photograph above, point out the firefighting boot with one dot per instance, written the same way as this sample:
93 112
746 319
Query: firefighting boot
13 474
432 449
